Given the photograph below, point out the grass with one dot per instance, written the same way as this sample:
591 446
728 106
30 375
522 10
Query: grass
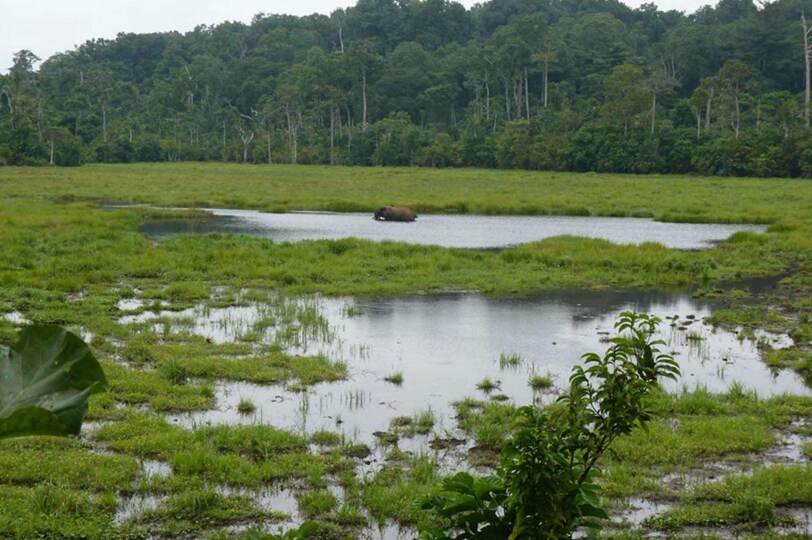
540 382
487 385
316 503
246 406
395 378
510 361
795 358
66 261
428 190
408 426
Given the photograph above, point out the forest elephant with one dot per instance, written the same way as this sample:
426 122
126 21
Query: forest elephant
395 213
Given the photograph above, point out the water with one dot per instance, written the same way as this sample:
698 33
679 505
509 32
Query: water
465 231
445 345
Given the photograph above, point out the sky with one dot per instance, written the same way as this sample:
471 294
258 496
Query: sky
49 26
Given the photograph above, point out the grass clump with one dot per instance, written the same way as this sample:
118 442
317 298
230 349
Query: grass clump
487 385
144 435
541 382
420 424
510 361
202 508
782 484
395 378
395 492
793 358
316 503
684 439
31 461
246 406
326 438
748 509
48 510
256 441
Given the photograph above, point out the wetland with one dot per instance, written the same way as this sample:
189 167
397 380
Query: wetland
336 374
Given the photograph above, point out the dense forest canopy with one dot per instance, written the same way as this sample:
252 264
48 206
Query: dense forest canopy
584 85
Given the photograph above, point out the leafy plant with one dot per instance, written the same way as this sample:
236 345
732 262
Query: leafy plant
545 485
45 382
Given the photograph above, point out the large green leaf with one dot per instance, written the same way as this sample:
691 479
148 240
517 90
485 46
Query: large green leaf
45 382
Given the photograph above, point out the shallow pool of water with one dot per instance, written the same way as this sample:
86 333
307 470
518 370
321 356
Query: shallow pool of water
445 345
462 231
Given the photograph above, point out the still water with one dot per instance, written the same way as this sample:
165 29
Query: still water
464 231
445 345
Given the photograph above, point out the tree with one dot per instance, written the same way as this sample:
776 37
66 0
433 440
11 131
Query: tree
807 75
545 485
363 60
625 94
737 81
657 83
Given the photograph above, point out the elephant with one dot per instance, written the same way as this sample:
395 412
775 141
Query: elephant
395 213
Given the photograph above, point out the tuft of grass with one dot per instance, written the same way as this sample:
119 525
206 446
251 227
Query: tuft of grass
685 439
316 503
174 372
246 406
541 382
487 385
326 438
694 336
395 378
510 361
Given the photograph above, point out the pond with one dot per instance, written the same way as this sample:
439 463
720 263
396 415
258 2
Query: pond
461 231
444 346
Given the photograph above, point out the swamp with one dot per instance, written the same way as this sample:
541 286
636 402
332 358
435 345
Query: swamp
277 358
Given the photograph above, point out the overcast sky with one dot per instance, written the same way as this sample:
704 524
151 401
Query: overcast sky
49 26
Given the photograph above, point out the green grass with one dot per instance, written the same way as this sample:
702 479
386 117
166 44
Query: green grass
510 361
428 190
487 385
246 406
540 382
202 509
316 503
66 261
34 460
685 439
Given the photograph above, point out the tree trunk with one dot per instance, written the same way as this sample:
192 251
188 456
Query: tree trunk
698 125
364 91
526 94
270 160
51 145
332 134
653 112
487 101
507 100
10 107
546 72
224 139
738 115
807 80
292 137
708 111
104 123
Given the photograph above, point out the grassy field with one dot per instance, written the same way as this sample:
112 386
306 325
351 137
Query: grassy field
67 261
286 187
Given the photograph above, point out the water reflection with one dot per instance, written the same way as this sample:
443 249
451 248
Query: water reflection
445 345
464 231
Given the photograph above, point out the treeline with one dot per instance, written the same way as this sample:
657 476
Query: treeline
582 85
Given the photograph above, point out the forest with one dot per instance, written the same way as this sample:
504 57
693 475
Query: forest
569 85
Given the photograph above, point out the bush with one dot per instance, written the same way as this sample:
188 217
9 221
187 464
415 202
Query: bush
545 486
